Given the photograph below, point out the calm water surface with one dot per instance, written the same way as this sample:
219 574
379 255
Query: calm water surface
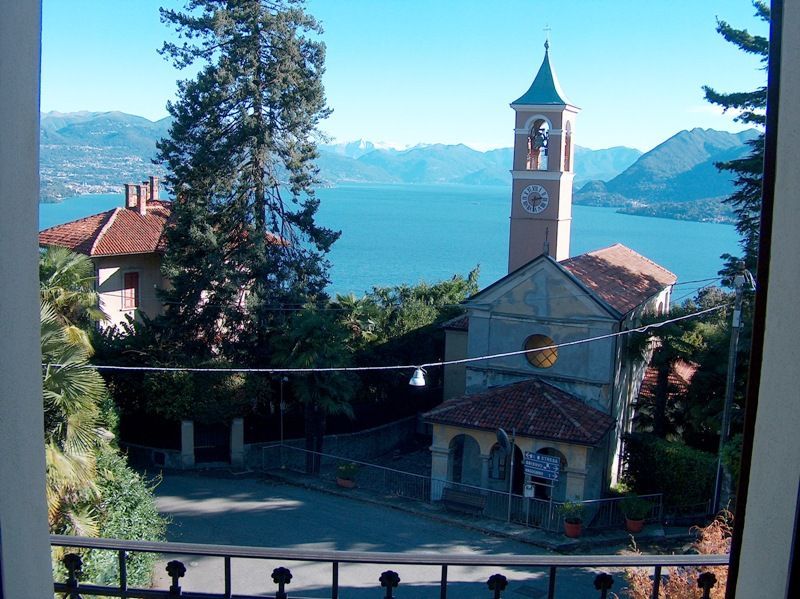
405 233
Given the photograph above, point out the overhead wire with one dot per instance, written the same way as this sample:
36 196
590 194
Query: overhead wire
440 363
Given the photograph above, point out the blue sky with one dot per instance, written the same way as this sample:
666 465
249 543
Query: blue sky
442 71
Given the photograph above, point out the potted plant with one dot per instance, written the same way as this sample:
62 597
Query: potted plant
572 512
346 475
635 510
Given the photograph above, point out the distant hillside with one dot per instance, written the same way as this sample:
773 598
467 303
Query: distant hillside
676 179
95 152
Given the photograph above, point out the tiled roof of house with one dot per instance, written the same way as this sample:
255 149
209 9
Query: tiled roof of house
113 232
533 408
459 323
679 379
619 276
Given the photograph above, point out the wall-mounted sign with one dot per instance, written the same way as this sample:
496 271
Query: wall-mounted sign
542 466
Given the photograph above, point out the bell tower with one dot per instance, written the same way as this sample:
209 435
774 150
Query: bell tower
542 173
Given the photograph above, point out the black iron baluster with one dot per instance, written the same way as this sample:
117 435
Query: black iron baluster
603 583
228 590
176 571
656 582
122 556
389 579
335 580
497 583
443 583
281 576
551 583
73 563
706 581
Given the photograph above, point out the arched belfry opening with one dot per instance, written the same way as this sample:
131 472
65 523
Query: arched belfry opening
538 138
568 147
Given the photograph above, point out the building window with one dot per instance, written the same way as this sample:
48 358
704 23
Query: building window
130 291
539 353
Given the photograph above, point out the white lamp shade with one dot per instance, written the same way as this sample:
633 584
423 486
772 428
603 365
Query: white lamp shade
418 378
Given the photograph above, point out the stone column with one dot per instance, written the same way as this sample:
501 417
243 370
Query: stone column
237 442
485 470
187 443
440 456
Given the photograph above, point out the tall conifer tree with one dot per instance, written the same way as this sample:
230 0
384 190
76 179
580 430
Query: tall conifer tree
241 153
747 171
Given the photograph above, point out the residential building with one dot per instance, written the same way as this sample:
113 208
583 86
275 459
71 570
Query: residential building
126 246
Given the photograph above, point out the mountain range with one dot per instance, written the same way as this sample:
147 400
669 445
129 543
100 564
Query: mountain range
95 152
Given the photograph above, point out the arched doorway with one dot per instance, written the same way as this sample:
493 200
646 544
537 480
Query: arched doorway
464 465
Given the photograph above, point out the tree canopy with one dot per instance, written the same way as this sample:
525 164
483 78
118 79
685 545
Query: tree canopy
746 171
244 243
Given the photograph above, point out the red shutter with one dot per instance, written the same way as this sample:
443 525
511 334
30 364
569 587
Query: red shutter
130 291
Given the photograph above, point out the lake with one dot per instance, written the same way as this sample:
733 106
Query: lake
395 234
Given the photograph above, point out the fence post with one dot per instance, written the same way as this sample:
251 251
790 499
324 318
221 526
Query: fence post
603 583
390 580
73 563
281 576
497 583
706 581
175 570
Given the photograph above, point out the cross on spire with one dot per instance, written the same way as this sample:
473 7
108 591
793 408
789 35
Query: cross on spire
547 31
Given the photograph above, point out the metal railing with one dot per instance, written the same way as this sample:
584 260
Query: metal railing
605 584
527 511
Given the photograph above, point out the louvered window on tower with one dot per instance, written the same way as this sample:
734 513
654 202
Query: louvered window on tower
543 358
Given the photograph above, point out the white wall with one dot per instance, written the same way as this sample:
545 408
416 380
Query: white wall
24 546
110 277
772 501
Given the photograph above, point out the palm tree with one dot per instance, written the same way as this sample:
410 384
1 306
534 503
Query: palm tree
317 340
71 393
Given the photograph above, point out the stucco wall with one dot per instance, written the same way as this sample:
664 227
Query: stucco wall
455 348
110 278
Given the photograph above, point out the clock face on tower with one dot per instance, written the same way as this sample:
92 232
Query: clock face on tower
534 198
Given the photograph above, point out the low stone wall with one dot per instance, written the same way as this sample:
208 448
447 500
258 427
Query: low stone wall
142 456
363 446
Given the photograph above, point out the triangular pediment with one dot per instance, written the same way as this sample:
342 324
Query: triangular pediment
541 289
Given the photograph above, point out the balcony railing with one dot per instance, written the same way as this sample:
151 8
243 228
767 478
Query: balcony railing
601 585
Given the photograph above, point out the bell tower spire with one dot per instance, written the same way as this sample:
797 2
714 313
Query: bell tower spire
542 173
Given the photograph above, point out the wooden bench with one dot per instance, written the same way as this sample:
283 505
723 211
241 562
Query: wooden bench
464 501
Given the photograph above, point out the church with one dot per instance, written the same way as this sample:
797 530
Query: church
565 402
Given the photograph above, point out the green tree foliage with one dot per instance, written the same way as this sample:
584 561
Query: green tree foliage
240 155
316 339
747 171
684 475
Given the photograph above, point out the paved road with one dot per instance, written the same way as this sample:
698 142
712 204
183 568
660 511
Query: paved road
268 514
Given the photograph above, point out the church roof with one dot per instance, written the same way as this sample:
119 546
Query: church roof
113 232
459 323
620 277
533 408
545 88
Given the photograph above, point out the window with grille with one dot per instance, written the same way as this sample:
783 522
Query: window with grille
539 353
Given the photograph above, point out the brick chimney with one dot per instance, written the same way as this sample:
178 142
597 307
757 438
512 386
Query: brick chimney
141 199
153 188
130 196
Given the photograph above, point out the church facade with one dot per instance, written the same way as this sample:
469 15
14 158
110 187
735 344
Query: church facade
555 393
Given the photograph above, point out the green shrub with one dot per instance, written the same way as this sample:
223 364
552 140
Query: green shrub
127 512
684 475
635 508
732 456
571 511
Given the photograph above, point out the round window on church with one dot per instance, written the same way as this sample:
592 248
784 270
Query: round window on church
540 353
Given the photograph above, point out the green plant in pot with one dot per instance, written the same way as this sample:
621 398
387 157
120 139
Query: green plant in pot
572 512
635 510
346 474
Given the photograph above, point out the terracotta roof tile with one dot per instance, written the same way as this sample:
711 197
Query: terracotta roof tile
680 377
117 231
459 323
619 276
534 408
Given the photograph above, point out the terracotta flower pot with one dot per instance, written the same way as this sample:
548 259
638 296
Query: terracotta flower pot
634 525
572 529
346 483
